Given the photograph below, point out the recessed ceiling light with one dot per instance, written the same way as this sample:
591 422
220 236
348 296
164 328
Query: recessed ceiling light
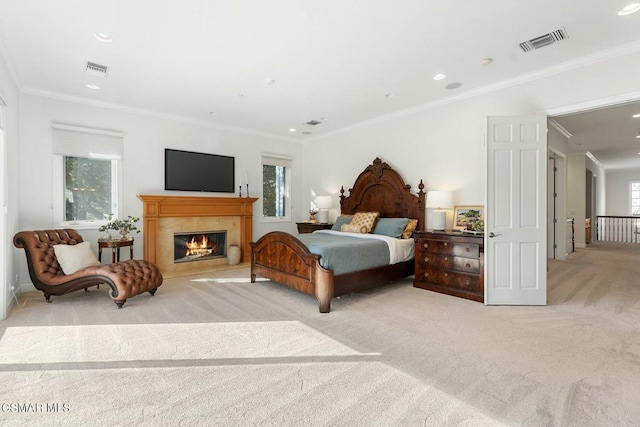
635 116
453 85
94 87
292 130
629 9
439 76
104 38
638 136
486 61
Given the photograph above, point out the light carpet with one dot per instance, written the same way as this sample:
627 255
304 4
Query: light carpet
217 350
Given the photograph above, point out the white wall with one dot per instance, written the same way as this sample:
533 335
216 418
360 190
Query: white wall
145 138
576 197
617 188
8 268
444 144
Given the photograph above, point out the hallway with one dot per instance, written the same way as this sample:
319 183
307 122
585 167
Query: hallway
602 279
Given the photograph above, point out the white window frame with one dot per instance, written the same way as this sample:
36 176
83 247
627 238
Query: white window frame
271 159
75 141
631 197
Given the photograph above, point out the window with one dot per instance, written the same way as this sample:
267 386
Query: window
86 175
88 188
276 178
635 197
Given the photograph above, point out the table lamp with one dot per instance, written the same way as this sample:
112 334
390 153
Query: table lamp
439 200
323 203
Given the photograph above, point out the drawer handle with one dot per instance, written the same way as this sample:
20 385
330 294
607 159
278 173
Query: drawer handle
446 274
467 283
426 245
446 258
426 259
467 265
445 243
426 274
467 249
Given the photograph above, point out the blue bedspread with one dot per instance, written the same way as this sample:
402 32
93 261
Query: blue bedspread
344 254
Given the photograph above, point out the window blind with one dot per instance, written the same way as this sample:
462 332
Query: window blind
276 160
78 141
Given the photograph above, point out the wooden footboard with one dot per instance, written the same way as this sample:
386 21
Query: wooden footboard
282 258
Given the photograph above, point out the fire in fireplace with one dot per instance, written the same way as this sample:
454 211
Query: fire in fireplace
199 246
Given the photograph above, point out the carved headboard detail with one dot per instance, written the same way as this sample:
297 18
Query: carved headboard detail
380 188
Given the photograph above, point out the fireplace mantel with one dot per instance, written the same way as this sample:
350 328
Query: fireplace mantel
160 207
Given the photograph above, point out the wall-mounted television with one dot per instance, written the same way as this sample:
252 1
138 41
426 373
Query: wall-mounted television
189 171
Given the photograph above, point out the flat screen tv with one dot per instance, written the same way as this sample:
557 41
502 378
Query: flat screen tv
189 171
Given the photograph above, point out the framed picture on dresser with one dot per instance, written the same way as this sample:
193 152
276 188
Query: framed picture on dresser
464 217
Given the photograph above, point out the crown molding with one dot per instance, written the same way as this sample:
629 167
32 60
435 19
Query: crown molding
560 128
149 113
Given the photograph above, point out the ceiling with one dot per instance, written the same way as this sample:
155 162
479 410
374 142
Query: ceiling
610 134
271 66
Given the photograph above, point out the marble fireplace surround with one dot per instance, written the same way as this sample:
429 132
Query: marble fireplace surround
164 215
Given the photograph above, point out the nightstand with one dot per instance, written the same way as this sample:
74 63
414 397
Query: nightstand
450 263
115 245
310 227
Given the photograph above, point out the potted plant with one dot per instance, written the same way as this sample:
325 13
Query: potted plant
124 226
312 215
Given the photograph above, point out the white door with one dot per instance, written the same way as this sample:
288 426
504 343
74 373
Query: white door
516 211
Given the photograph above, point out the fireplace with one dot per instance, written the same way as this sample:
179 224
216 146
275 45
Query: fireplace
164 215
199 246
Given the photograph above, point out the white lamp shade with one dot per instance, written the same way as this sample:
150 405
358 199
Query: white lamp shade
439 199
324 202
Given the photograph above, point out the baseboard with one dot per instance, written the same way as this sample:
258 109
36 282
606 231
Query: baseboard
25 287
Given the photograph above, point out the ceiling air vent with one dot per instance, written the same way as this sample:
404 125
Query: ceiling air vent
544 40
98 70
313 122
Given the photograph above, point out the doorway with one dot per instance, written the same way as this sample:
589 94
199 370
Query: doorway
559 233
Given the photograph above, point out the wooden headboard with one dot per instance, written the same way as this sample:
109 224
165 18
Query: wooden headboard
380 188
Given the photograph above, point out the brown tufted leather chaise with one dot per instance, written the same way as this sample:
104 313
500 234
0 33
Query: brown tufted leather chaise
126 278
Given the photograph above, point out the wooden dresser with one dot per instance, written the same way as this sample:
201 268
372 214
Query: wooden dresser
450 263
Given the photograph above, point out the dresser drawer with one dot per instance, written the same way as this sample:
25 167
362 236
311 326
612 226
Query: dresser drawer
433 275
470 250
466 265
464 282
434 260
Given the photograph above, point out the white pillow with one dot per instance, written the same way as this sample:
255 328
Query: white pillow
75 257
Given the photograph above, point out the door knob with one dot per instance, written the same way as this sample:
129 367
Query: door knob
492 234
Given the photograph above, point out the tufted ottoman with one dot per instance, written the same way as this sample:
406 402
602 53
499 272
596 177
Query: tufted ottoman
125 278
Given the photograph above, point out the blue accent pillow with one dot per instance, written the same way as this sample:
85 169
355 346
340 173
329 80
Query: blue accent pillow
342 219
392 227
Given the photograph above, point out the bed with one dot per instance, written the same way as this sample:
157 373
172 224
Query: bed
285 259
